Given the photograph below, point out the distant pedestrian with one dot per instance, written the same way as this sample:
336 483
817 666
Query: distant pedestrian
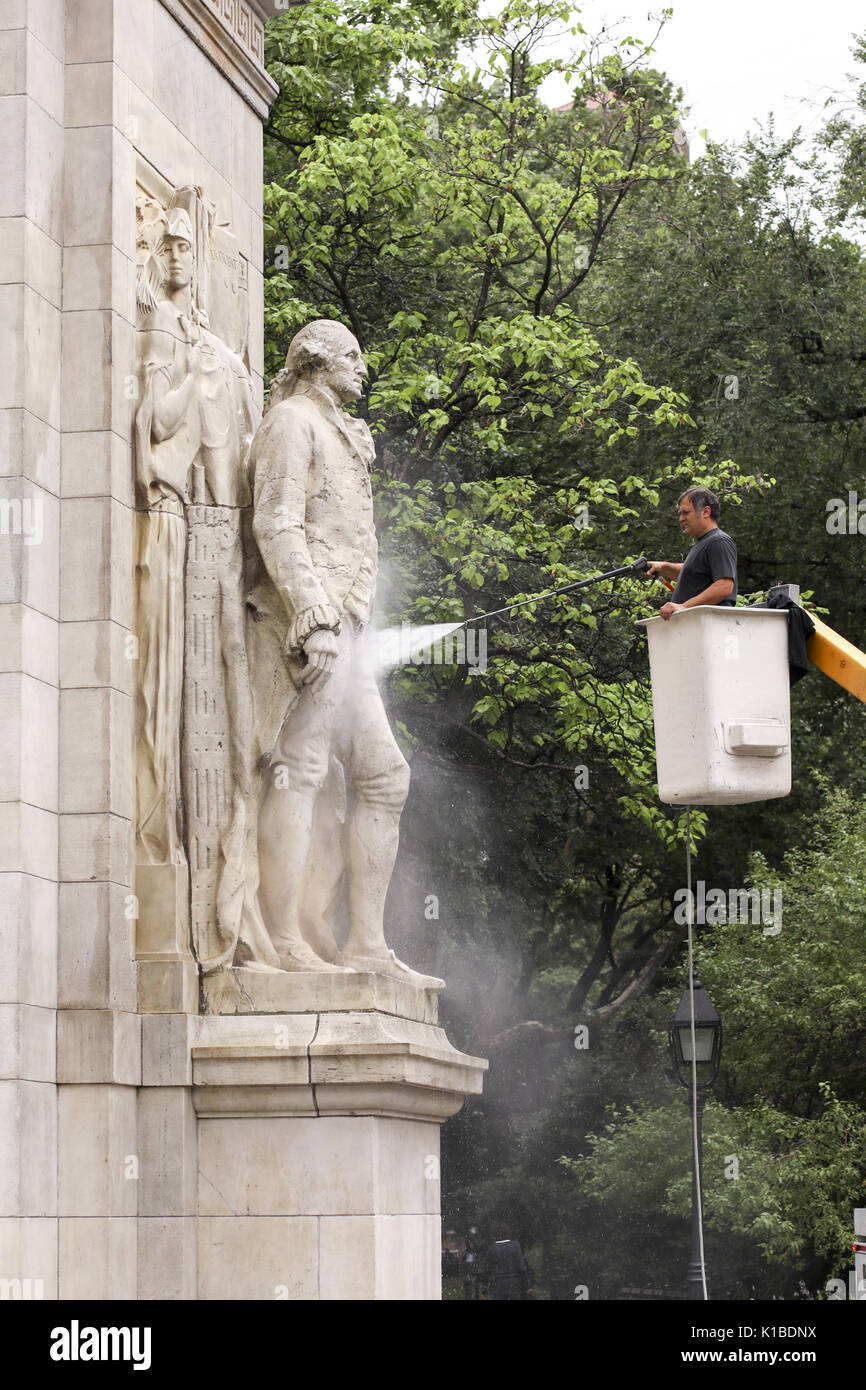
505 1272
470 1265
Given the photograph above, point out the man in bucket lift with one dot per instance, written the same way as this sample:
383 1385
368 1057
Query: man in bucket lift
708 575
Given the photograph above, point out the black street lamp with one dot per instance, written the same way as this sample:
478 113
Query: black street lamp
707 1054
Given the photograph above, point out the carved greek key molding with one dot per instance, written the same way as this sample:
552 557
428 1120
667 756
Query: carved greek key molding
232 34
246 27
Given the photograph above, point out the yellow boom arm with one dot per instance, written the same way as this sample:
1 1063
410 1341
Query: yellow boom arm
837 658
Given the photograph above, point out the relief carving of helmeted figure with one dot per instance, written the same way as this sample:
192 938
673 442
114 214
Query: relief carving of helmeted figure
193 427
165 423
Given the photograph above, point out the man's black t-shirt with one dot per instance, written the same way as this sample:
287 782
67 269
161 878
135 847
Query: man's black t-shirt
712 557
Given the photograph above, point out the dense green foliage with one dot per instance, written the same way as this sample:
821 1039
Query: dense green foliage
564 325
785 1140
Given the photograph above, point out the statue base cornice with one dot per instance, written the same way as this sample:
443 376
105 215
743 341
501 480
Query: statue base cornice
245 990
353 1062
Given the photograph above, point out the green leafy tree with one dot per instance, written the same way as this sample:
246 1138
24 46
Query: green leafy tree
786 1136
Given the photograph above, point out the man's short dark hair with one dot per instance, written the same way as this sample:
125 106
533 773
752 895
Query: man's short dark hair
701 497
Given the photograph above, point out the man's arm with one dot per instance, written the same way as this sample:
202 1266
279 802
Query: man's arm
714 594
666 569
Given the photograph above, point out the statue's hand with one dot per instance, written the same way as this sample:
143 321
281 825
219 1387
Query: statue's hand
320 650
194 358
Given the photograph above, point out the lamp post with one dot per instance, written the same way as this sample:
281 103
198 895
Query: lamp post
707 1055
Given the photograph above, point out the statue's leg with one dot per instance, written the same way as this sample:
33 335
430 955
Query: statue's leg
298 769
323 880
372 837
380 776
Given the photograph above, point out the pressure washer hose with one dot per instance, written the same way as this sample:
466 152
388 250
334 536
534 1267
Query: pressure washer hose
638 566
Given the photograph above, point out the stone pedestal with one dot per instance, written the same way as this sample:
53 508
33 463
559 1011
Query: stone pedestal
298 1152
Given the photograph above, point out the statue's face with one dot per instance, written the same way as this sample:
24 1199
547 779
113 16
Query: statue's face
180 262
346 371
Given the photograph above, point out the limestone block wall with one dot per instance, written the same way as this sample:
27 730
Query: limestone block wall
352 1218
95 96
32 51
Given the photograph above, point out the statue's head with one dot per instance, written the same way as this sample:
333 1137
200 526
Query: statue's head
178 245
327 353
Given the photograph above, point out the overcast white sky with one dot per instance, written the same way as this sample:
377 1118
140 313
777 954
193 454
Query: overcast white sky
736 60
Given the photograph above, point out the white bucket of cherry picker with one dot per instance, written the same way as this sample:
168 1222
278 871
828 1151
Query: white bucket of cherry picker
721 705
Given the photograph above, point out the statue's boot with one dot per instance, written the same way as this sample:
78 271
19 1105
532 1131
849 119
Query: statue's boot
255 950
285 827
321 941
297 955
389 965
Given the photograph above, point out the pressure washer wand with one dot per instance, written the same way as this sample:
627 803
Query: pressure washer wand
639 566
